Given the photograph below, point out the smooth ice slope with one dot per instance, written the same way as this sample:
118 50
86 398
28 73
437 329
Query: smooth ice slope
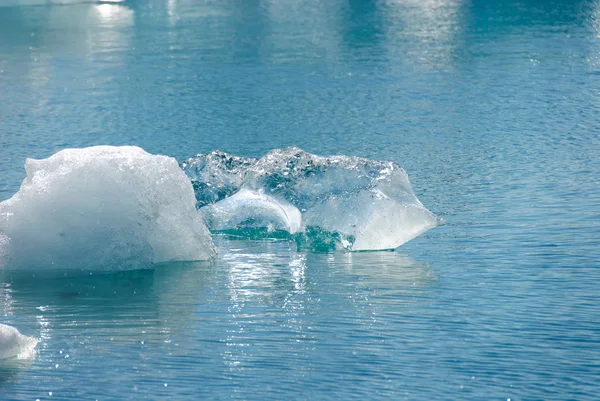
249 209
102 208
14 344
363 204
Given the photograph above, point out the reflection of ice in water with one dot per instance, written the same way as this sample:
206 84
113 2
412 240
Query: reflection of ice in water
44 323
280 274
86 29
593 58
389 268
298 269
6 300
267 275
297 19
78 315
430 27
172 11
263 283
22 3
95 34
112 19
250 275
305 294
114 15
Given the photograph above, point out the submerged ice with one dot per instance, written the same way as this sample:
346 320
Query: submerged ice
350 202
102 207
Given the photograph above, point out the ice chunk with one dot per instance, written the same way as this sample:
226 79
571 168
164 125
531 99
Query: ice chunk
102 208
216 175
247 210
14 344
370 220
360 204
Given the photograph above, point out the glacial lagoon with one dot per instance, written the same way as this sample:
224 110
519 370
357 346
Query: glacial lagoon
491 108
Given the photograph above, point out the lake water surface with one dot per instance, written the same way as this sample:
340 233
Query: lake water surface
493 109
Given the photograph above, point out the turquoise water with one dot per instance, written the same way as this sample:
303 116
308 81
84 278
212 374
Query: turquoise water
491 107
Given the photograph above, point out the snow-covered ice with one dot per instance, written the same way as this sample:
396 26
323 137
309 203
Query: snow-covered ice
102 207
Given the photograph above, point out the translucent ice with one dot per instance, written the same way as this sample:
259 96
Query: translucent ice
357 203
102 208
216 175
14 344
249 210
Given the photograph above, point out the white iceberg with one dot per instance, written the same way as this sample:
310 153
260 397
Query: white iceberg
350 202
102 208
14 344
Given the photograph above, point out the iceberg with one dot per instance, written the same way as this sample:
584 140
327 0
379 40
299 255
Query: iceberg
333 202
102 208
14 344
